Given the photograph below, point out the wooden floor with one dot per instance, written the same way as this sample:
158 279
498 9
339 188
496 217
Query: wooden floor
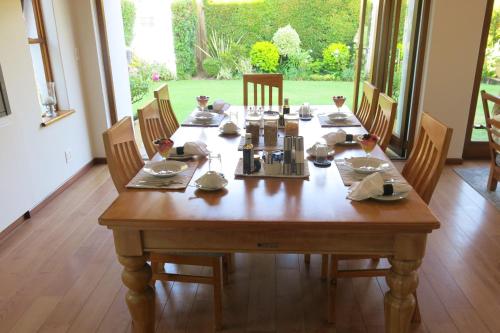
59 273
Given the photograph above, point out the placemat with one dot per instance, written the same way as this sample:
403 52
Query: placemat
349 122
177 182
350 176
214 122
261 174
261 145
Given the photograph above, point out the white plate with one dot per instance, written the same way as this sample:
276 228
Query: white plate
184 157
392 197
165 169
367 164
229 133
206 188
203 116
338 116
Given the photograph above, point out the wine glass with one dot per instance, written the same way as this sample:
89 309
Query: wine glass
214 163
202 102
339 101
164 146
368 143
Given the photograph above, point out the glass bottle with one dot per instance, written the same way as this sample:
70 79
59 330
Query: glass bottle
252 126
248 159
292 124
271 129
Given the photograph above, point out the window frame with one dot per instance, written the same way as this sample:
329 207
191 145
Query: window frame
41 39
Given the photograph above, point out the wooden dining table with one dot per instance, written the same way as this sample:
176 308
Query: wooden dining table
269 215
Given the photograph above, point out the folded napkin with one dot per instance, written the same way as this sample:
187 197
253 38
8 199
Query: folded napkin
339 136
312 150
220 106
374 185
192 148
229 127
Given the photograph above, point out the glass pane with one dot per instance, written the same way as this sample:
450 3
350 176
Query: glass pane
29 18
402 59
36 56
490 79
369 30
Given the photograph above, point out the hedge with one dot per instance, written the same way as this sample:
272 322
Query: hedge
128 13
184 24
318 22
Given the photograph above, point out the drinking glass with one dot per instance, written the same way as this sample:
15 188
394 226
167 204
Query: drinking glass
215 162
339 101
202 102
321 153
164 146
368 143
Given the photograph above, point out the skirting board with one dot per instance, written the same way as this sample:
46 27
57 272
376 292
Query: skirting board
454 161
26 216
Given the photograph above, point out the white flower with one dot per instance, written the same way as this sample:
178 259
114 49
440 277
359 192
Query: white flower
287 41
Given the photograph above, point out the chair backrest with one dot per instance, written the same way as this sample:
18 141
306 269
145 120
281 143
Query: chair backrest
167 115
122 154
151 127
427 159
383 119
492 125
368 105
264 80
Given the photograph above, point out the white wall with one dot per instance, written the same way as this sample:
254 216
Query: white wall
32 162
451 59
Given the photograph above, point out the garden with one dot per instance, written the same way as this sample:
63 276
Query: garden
272 36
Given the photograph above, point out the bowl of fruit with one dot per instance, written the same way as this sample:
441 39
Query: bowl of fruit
368 142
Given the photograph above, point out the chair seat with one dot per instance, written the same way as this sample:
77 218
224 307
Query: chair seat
195 254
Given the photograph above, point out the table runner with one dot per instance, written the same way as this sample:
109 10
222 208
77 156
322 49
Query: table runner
177 182
350 176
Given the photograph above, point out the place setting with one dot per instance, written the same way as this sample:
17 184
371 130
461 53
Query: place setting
342 117
206 115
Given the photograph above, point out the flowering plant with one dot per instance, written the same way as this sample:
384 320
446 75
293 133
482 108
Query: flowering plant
287 40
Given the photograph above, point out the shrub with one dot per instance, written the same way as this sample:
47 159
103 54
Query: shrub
225 73
287 41
244 66
336 58
163 72
128 15
316 21
316 66
184 24
490 60
139 86
347 74
265 56
322 77
211 67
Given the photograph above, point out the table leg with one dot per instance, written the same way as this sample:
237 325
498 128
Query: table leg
399 302
140 297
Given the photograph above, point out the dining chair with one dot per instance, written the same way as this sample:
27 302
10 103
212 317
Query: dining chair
167 115
124 161
151 127
422 171
368 106
493 128
268 81
383 119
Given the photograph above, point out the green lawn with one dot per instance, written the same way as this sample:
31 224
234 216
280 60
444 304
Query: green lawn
183 93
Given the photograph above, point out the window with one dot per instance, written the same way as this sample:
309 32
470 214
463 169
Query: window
4 103
32 10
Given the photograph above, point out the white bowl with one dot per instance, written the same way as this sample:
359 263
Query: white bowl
211 181
367 164
165 169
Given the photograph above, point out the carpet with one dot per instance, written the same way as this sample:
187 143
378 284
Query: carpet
478 179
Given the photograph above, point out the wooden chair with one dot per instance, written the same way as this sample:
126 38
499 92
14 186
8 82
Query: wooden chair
422 171
264 80
368 106
151 127
124 161
492 126
122 154
427 159
383 120
167 115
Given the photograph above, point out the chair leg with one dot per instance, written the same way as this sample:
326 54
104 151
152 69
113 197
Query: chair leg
217 283
225 268
156 268
416 314
332 287
324 266
307 258
492 181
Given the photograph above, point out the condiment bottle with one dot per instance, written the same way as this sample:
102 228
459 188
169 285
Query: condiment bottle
270 129
252 125
292 124
248 160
